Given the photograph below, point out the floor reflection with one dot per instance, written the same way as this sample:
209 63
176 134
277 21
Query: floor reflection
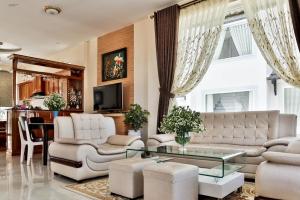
34 182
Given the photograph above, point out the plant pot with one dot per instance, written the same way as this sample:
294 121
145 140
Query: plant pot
134 133
182 140
55 114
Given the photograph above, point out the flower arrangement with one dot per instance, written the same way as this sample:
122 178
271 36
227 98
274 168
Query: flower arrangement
136 117
181 121
54 102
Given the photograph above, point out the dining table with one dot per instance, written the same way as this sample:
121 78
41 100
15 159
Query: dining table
45 127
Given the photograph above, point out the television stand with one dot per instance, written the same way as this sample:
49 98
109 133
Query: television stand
110 111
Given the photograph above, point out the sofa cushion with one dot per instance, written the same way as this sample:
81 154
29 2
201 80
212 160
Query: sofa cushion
282 158
294 147
251 151
109 149
163 137
89 127
239 128
122 140
63 128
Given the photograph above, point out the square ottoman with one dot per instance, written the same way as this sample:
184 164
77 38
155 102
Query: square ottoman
170 181
126 176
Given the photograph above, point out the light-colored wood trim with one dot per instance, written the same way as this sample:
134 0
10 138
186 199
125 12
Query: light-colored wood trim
114 114
44 62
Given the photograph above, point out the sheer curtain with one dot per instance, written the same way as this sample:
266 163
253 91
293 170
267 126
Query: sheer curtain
272 29
200 26
219 47
241 36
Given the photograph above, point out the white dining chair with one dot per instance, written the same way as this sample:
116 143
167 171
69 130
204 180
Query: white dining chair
26 140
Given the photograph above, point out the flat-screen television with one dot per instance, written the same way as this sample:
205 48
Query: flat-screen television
108 97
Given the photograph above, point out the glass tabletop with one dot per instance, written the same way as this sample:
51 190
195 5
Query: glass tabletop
209 153
224 157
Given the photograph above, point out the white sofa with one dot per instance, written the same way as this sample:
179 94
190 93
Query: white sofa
254 132
85 144
279 176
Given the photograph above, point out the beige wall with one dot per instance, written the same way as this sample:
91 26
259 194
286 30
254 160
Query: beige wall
146 82
145 75
84 54
5 89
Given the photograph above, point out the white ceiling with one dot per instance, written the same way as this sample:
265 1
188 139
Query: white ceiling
25 24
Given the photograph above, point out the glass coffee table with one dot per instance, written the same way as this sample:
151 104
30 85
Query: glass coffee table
221 156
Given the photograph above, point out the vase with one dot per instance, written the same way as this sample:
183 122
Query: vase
134 133
55 114
182 140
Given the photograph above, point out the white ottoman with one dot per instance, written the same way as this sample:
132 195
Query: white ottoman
126 176
170 181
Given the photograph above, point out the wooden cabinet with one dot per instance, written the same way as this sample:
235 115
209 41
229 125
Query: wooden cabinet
25 90
38 84
28 88
51 86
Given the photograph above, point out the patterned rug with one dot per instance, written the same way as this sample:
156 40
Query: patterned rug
99 190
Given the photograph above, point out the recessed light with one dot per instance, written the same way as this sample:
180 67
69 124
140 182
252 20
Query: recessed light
12 4
52 10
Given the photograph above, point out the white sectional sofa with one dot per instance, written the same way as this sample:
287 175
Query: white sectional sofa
85 144
279 176
254 132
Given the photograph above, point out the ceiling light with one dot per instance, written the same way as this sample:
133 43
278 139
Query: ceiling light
8 48
12 4
52 10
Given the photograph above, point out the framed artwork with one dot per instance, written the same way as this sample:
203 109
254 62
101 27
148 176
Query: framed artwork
114 65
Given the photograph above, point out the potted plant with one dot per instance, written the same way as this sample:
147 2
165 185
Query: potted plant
135 118
182 121
55 102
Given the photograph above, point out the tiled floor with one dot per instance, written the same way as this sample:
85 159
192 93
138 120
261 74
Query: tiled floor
35 182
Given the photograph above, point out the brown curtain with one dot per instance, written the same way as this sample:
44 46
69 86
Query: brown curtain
295 14
166 25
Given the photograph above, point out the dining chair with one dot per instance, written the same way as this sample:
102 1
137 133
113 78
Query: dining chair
27 140
32 128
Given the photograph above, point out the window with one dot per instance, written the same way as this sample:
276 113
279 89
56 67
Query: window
3 114
228 49
228 102
235 40
292 103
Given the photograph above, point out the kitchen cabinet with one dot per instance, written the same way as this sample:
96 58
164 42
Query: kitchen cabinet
25 90
28 88
38 84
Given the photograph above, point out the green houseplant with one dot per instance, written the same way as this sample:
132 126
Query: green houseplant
135 118
181 121
55 102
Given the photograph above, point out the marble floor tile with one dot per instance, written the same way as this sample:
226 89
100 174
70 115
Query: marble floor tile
35 182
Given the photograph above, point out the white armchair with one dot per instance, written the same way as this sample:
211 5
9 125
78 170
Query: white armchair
279 176
85 144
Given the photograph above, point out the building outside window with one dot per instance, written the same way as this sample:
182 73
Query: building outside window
228 102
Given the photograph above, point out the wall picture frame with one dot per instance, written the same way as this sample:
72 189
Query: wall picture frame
114 65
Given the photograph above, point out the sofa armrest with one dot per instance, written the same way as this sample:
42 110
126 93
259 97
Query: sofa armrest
282 158
280 141
160 140
122 140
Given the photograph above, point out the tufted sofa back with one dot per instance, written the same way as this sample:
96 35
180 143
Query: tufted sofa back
240 128
91 129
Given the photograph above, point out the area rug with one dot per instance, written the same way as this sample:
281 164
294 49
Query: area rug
99 190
